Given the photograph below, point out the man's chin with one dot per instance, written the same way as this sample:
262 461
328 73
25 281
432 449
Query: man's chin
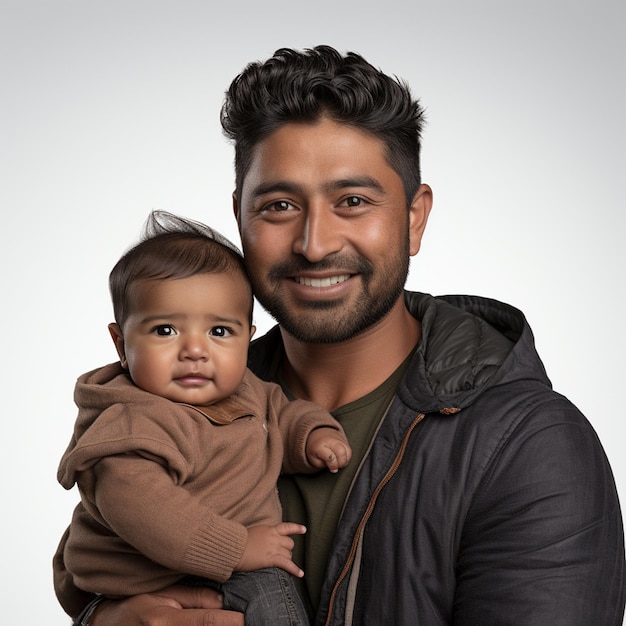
321 329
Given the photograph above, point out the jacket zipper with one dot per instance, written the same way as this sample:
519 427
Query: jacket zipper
368 512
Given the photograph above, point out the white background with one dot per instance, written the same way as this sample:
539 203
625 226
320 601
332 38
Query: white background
110 109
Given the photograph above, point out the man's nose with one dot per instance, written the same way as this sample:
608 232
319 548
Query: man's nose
319 233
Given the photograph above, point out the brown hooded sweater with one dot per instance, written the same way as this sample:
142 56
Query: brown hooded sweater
168 489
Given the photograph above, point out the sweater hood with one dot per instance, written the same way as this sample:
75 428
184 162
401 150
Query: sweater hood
109 404
111 385
468 344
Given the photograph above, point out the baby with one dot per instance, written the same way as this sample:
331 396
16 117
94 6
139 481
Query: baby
177 448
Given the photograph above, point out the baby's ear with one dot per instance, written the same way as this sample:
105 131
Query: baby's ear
118 340
252 330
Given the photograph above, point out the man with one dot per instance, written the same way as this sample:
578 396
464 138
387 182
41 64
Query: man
476 494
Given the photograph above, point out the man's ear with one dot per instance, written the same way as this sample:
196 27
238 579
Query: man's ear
418 217
118 340
236 210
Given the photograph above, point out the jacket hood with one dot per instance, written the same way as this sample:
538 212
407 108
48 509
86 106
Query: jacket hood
468 344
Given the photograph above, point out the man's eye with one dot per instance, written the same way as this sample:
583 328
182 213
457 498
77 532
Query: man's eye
280 206
164 330
353 201
220 331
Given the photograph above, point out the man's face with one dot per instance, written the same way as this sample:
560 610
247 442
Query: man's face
325 230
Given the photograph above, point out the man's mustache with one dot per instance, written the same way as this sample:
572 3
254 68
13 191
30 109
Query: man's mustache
339 263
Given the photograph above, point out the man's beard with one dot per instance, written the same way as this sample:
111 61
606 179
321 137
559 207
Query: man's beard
329 321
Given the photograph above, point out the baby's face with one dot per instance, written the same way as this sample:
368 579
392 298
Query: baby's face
187 339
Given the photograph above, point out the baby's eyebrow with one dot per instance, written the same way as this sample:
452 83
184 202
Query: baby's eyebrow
226 320
161 317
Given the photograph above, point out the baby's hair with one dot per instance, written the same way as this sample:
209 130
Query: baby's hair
164 223
172 247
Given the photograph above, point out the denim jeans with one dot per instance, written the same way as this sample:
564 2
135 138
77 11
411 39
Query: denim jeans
267 597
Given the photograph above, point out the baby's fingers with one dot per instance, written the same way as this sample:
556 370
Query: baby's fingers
289 566
344 454
338 456
290 528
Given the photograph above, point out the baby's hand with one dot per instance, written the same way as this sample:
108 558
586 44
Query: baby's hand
327 447
271 546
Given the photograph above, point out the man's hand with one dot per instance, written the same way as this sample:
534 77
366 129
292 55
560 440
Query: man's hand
327 447
173 606
271 546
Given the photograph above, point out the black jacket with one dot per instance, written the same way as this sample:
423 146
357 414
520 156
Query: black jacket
486 497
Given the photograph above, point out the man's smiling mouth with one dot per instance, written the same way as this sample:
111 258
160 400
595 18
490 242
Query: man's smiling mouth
321 282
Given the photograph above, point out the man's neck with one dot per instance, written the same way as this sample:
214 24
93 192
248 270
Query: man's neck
334 374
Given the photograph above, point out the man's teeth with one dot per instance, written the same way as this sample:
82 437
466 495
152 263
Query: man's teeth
321 282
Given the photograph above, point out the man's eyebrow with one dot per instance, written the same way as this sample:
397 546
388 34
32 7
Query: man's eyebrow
354 181
279 186
333 185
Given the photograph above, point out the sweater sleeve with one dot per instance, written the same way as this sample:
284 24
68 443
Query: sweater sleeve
296 420
164 522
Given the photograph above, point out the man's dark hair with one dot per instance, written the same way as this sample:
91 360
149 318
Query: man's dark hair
172 247
303 86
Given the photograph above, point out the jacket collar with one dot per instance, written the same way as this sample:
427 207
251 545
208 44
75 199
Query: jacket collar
468 343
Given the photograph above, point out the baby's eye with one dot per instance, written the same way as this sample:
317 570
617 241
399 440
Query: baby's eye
164 330
220 331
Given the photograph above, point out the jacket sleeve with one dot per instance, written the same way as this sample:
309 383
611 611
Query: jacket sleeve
543 539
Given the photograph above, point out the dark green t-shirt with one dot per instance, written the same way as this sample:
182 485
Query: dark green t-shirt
317 500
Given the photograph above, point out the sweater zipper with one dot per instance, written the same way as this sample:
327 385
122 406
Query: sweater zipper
368 512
